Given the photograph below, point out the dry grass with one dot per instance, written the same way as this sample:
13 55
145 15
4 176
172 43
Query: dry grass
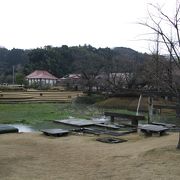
42 96
130 103
34 156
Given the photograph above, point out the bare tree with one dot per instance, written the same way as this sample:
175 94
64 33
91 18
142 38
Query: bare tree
90 67
167 28
156 68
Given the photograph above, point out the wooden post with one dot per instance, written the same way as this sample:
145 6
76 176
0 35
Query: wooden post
150 109
139 101
112 119
178 145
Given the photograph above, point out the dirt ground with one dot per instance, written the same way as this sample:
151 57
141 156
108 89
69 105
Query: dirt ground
27 156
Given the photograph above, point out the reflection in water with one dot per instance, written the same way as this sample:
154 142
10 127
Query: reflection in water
50 124
37 127
101 119
23 128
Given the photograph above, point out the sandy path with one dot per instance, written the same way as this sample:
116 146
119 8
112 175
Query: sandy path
35 156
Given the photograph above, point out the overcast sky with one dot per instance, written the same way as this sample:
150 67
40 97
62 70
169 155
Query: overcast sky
101 23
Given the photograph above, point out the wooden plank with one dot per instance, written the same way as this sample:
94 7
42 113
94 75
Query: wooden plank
55 132
76 122
8 129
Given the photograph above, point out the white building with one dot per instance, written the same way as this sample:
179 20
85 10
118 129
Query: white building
42 77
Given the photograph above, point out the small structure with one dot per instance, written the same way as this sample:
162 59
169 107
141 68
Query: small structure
55 132
7 129
133 118
149 129
72 81
41 77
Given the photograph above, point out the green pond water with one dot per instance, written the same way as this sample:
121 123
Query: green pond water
50 124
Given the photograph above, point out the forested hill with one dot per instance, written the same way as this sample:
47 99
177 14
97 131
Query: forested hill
127 53
64 60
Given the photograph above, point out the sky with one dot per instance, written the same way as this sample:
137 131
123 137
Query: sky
28 24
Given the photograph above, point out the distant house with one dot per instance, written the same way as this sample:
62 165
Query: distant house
41 77
71 77
72 81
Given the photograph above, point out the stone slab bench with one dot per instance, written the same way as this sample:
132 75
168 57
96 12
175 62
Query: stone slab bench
55 132
133 118
149 129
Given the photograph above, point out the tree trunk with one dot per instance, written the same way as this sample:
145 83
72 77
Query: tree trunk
178 107
178 145
90 88
178 110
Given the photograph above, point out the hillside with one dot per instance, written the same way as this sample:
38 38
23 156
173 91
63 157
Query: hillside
130 54
65 60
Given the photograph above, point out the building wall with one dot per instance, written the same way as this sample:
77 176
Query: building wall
50 82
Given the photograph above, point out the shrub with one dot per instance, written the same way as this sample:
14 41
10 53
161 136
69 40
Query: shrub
90 99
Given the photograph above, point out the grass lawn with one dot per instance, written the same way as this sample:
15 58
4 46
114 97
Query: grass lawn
32 113
27 113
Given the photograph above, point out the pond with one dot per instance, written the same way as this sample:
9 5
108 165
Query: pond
50 125
23 127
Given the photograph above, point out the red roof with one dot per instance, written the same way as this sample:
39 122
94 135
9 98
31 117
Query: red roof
39 74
